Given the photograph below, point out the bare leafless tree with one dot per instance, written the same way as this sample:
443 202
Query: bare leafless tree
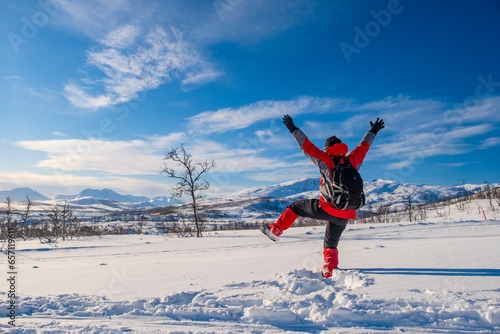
52 231
66 214
25 217
383 212
6 224
489 194
410 203
190 179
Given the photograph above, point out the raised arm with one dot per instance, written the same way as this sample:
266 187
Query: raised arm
317 156
358 154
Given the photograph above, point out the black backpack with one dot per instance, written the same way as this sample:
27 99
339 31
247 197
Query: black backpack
346 191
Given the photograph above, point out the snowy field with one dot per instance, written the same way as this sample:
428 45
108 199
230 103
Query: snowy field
433 277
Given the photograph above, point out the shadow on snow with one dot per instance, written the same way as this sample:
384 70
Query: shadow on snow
431 271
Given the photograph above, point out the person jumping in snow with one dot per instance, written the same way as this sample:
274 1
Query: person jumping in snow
341 189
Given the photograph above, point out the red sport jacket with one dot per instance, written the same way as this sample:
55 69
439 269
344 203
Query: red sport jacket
323 160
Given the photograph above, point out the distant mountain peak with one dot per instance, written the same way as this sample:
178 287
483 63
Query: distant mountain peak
283 189
111 195
19 195
97 193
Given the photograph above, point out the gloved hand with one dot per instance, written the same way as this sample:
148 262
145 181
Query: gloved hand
287 120
379 124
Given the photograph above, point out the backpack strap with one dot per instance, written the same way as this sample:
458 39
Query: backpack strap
346 160
336 160
336 163
333 194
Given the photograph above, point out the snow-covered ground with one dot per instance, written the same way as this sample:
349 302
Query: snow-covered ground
437 277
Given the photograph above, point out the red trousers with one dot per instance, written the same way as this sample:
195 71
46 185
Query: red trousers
334 228
311 208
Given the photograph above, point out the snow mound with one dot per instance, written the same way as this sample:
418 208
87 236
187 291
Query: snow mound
299 300
303 297
303 281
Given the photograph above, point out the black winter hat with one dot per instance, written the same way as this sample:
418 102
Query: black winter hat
332 141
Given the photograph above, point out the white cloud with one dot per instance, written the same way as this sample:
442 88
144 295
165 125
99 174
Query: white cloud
414 148
132 63
115 157
11 77
121 162
476 110
59 134
284 175
456 164
121 37
230 159
63 183
228 119
398 165
490 142
467 131
75 94
264 135
200 78
433 129
159 143
93 18
134 57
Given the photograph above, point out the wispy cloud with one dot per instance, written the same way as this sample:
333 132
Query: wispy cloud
456 164
121 37
115 157
234 159
195 79
132 62
145 156
247 22
59 134
285 175
79 98
490 142
420 129
254 163
404 137
208 22
228 119
11 77
69 184
398 165
140 47
94 18
415 128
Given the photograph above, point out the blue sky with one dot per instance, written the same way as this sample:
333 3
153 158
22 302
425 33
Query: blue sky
95 93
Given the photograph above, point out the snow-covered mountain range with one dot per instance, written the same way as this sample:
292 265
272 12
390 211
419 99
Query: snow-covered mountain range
267 202
103 197
257 199
376 191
